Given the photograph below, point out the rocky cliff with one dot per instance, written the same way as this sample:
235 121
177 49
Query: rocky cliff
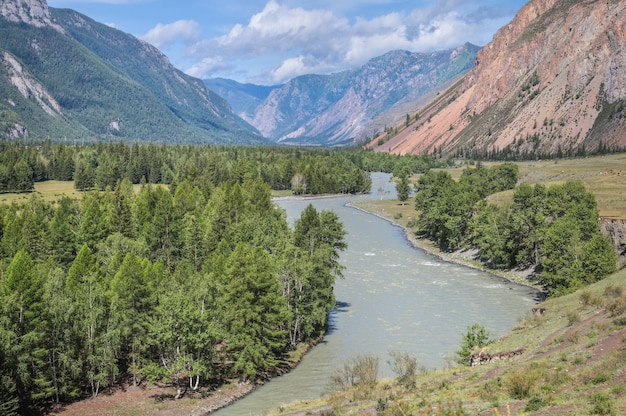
347 106
31 12
552 81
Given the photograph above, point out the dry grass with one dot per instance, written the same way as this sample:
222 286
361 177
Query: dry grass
604 176
50 191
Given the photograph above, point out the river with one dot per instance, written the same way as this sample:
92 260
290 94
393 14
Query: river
394 298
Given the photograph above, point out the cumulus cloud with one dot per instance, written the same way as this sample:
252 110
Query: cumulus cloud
163 36
303 40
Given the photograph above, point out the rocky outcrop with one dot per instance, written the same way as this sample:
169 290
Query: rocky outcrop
553 80
616 230
32 12
29 87
483 357
347 106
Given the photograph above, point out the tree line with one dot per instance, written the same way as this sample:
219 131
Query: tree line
172 284
101 165
555 231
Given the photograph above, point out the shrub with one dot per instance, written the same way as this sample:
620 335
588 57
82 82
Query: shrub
572 317
405 367
614 291
519 385
617 307
585 297
363 370
601 404
535 403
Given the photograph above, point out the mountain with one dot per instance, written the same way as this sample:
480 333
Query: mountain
551 82
65 76
345 107
244 98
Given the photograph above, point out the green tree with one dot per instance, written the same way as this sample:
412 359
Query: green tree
23 324
475 337
183 330
130 304
403 189
62 231
23 177
89 313
253 311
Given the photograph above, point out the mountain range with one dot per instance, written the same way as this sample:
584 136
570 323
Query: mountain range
345 107
552 82
64 76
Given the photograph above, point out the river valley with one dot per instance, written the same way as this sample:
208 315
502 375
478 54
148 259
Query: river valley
393 298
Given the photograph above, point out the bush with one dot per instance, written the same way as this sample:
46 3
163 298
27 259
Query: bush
362 370
520 383
617 307
535 403
405 367
585 297
614 291
572 317
601 404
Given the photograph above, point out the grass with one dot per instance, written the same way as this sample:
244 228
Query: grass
49 191
567 368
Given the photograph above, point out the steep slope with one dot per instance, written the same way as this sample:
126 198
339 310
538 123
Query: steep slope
551 82
342 108
244 98
97 83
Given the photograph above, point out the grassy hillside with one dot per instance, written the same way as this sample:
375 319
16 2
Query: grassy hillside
573 362
573 358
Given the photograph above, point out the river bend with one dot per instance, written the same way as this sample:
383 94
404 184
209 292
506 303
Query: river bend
394 298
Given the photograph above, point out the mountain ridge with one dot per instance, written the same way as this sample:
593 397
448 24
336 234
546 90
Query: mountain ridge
103 84
345 107
551 82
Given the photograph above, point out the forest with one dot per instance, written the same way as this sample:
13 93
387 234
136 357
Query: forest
191 277
553 231
102 165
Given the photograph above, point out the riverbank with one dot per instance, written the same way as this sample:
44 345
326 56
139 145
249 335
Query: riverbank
403 216
158 399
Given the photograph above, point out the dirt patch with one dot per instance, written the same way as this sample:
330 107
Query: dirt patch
155 400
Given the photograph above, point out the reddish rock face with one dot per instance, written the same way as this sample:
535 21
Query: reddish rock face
554 79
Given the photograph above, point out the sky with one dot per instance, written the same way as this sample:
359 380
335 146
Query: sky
269 42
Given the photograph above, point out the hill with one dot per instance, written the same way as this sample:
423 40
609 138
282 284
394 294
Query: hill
341 108
551 82
568 357
65 76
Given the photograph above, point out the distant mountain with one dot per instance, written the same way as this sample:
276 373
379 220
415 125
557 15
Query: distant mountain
345 107
243 98
552 82
65 76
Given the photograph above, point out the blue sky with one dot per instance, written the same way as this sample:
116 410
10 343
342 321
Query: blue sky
271 41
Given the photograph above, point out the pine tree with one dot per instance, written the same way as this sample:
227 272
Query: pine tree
254 311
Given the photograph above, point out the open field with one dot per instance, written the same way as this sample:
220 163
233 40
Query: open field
604 176
49 191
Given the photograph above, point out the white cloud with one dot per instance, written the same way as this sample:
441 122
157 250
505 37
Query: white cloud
163 36
208 65
302 41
